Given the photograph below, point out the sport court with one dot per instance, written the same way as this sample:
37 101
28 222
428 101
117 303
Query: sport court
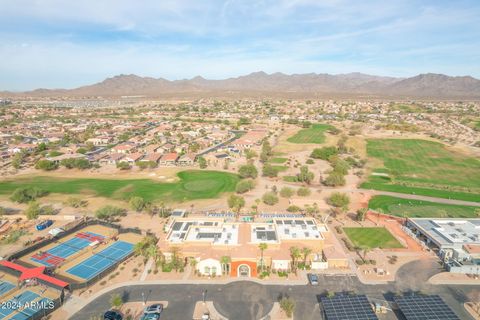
102 260
58 254
24 305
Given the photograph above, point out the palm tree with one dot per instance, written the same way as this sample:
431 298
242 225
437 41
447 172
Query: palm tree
295 255
305 253
193 264
365 251
153 252
225 262
262 246
175 251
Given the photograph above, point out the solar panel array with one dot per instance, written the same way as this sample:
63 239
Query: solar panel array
422 307
348 307
267 235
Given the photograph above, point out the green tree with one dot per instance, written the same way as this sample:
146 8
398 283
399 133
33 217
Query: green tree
288 306
202 163
116 300
225 262
323 153
269 171
361 213
339 200
341 166
18 159
236 203
295 254
123 165
76 202
270 198
46 165
27 194
248 171
250 154
305 175
137 203
303 192
335 179
286 192
245 185
109 212
305 253
33 210
262 246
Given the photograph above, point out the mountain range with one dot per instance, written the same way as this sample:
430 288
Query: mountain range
421 86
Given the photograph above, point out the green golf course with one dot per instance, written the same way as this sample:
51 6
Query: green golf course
423 167
192 184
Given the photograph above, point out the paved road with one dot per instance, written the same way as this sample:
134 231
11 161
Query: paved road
249 300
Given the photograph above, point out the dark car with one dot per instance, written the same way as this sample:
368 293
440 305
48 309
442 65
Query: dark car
313 279
112 315
150 316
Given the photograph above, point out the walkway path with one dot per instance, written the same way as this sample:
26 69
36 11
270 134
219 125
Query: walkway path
147 268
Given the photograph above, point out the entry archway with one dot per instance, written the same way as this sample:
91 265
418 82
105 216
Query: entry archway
243 271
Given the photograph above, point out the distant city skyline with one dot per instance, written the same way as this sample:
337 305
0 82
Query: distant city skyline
58 44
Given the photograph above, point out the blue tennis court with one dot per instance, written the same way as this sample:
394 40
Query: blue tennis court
63 250
31 311
20 300
100 261
5 287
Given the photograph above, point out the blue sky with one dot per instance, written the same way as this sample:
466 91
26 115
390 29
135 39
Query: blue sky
65 44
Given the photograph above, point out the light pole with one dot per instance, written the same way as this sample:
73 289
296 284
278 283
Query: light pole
204 295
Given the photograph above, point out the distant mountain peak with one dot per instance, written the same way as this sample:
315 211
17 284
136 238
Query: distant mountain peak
429 85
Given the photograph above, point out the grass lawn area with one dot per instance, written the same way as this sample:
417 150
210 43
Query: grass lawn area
290 178
420 209
278 160
192 184
423 167
280 168
372 238
314 134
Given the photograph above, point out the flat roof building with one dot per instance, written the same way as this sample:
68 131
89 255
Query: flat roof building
457 241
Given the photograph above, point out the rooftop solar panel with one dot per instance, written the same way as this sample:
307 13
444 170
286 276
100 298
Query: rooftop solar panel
423 307
177 226
348 307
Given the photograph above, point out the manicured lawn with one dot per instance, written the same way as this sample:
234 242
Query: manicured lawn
278 160
425 168
193 184
420 209
314 134
372 238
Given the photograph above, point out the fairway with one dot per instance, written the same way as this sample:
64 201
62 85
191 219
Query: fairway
425 168
314 134
372 238
420 209
192 184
